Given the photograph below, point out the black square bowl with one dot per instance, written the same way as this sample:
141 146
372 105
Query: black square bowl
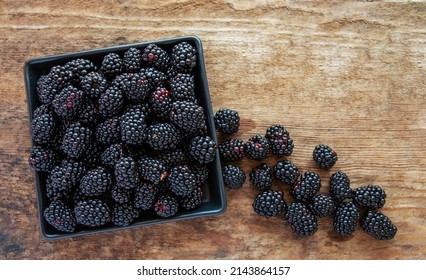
214 199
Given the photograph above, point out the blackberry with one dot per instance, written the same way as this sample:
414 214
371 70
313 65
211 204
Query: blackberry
187 116
79 67
261 177
76 140
121 195
184 57
68 102
66 175
92 212
193 200
154 77
161 102
60 76
134 85
111 102
269 203
42 159
113 153
371 197
301 219
181 180
132 60
53 193
233 176
43 129
279 140
203 149
126 173
340 186
60 216
378 225
96 182
132 124
182 87
112 65
256 147
232 150
156 57
41 110
93 84
171 72
89 113
286 172
166 206
152 170
145 196
324 156
201 173
346 218
124 214
47 89
322 205
227 121
92 157
172 158
108 132
162 136
305 188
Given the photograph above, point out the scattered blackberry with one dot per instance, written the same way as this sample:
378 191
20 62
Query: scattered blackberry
108 132
113 153
68 102
152 170
145 196
286 172
378 225
124 214
279 140
324 156
96 182
340 186
79 67
187 116
43 129
132 124
203 149
47 89
181 180
256 147
76 140
66 175
261 177
227 121
172 158
93 84
92 212
269 203
132 60
42 159
121 195
154 77
193 200
308 185
126 173
182 87
161 102
184 57
166 206
111 102
112 65
233 176
89 113
322 205
156 57
371 197
201 173
301 219
346 218
60 216
232 150
162 136
134 85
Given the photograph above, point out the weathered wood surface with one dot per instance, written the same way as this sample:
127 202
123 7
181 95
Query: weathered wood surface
351 75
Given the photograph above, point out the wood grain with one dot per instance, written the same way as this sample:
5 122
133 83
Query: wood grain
350 75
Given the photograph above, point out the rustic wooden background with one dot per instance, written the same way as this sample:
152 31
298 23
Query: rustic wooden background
350 75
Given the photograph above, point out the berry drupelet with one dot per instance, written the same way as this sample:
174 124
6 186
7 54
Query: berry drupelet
371 197
261 177
346 218
324 156
269 203
60 216
227 121
340 186
286 172
308 185
203 149
378 225
232 150
301 220
233 176
256 147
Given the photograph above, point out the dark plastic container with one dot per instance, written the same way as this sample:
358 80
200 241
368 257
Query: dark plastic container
214 199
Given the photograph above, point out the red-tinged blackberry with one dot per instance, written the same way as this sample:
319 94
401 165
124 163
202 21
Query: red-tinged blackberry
132 126
166 206
113 153
152 170
279 140
232 150
261 177
227 121
60 216
96 182
256 147
286 172
134 85
181 180
66 175
44 129
233 176
121 195
162 136
68 102
346 218
112 65
132 60
378 225
305 188
111 102
79 67
47 89
187 116
172 158
184 57
371 197
93 84
301 219
269 203
145 196
324 156
340 186
92 212
322 205
124 214
201 173
156 57
76 140
89 113
42 159
161 102
182 87
191 201
203 149
155 78
126 173
108 132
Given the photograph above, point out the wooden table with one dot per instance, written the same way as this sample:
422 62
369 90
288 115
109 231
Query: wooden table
350 75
